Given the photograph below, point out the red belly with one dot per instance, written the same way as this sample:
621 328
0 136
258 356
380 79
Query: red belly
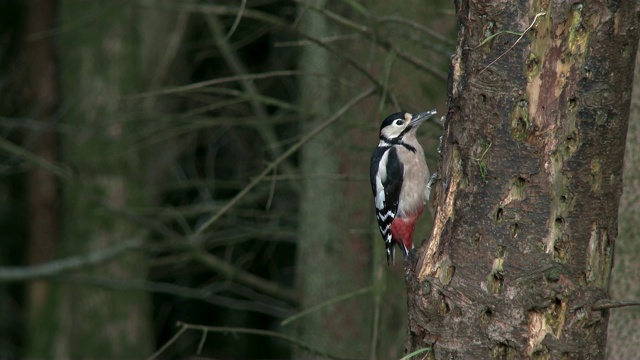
402 230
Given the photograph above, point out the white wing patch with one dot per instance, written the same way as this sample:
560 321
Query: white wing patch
380 177
379 198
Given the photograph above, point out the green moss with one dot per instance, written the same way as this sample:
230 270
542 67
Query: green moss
578 34
553 317
552 275
533 65
520 122
446 271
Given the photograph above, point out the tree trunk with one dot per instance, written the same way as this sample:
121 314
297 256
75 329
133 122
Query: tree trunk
624 332
100 62
41 96
330 261
530 177
338 230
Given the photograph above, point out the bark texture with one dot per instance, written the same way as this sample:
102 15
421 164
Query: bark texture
530 181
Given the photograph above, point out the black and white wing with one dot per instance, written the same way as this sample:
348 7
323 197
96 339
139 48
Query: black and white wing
386 183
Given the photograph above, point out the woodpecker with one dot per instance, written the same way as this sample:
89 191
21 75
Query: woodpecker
399 180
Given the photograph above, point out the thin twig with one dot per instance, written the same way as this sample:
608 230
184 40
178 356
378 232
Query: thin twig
387 45
170 53
258 109
516 42
212 262
277 161
245 277
388 69
377 307
263 306
57 267
236 22
34 159
608 304
236 330
415 353
417 26
218 81
272 189
166 345
324 304
202 341
285 26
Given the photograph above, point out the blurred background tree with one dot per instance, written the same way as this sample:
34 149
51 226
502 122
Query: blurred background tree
205 163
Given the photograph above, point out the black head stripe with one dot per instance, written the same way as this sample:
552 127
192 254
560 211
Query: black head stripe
398 141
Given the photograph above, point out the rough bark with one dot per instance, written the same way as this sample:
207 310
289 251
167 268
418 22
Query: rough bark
624 332
529 185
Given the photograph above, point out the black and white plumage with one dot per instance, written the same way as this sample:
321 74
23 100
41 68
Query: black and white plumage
399 178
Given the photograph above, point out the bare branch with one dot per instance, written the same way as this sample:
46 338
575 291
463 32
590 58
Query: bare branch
57 267
236 22
203 294
378 40
285 155
235 330
238 68
211 261
284 26
217 81
610 304
324 304
247 278
417 26
34 159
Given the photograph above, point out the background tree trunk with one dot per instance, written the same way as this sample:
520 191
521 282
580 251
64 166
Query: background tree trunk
340 250
624 332
100 62
530 180
330 261
41 95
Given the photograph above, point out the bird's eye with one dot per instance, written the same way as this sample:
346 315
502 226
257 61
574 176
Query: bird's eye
398 122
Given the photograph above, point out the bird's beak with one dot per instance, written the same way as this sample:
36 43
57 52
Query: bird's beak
418 119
